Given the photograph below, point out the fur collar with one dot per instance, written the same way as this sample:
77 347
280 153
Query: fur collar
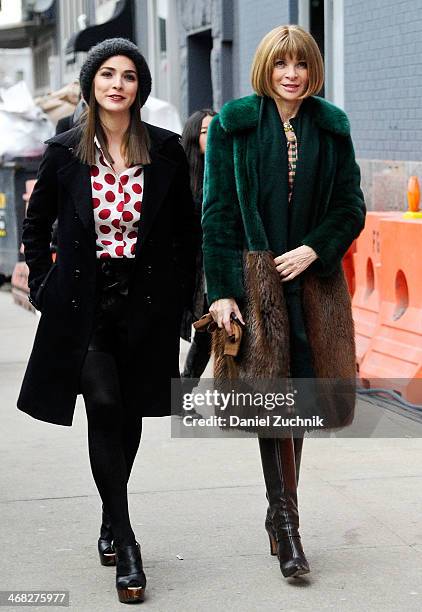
243 113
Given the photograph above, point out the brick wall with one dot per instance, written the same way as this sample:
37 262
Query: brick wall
383 77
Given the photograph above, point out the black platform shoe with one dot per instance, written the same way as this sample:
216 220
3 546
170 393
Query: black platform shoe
130 577
278 464
105 542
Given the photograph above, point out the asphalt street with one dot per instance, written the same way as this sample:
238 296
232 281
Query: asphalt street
198 508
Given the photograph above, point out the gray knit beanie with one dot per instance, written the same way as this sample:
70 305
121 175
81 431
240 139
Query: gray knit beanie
98 54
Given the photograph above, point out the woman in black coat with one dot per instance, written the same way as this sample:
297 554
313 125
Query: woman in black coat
112 303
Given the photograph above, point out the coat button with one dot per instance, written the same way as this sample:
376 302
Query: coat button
75 217
76 244
75 304
148 269
148 299
76 274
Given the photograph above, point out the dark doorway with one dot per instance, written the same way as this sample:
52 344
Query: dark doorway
199 71
316 26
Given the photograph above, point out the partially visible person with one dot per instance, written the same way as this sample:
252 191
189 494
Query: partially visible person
67 123
194 141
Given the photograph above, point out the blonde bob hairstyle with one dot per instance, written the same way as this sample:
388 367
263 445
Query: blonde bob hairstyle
286 41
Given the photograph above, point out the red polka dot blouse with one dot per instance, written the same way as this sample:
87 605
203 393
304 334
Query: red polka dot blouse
117 204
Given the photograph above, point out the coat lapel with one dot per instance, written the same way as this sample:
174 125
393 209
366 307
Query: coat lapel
158 176
76 179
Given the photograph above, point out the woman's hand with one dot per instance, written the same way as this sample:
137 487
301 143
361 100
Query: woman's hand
221 311
292 263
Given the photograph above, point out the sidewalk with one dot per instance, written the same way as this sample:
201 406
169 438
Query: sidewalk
204 500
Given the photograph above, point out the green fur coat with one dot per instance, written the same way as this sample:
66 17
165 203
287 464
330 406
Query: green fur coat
231 219
303 328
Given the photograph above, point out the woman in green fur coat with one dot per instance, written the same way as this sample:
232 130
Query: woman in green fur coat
282 204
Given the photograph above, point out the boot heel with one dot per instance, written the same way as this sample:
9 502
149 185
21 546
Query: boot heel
271 536
273 544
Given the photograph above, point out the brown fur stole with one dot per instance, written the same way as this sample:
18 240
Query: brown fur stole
265 353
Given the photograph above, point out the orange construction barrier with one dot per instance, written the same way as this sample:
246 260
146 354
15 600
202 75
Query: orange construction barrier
394 353
413 199
366 297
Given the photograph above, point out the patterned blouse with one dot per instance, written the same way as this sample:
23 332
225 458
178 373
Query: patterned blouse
291 154
117 204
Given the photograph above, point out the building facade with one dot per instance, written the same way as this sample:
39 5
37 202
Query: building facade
371 50
27 42
383 94
218 39
73 18
200 52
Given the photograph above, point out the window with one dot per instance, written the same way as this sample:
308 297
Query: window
324 20
41 56
162 35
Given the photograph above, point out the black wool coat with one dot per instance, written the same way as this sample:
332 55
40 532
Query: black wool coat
161 284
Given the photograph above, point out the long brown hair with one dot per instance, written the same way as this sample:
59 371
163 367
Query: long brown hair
136 141
190 143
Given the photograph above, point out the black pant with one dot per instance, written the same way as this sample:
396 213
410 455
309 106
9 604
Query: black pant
114 425
198 355
199 352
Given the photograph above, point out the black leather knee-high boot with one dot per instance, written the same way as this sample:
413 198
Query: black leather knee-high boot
298 445
278 463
